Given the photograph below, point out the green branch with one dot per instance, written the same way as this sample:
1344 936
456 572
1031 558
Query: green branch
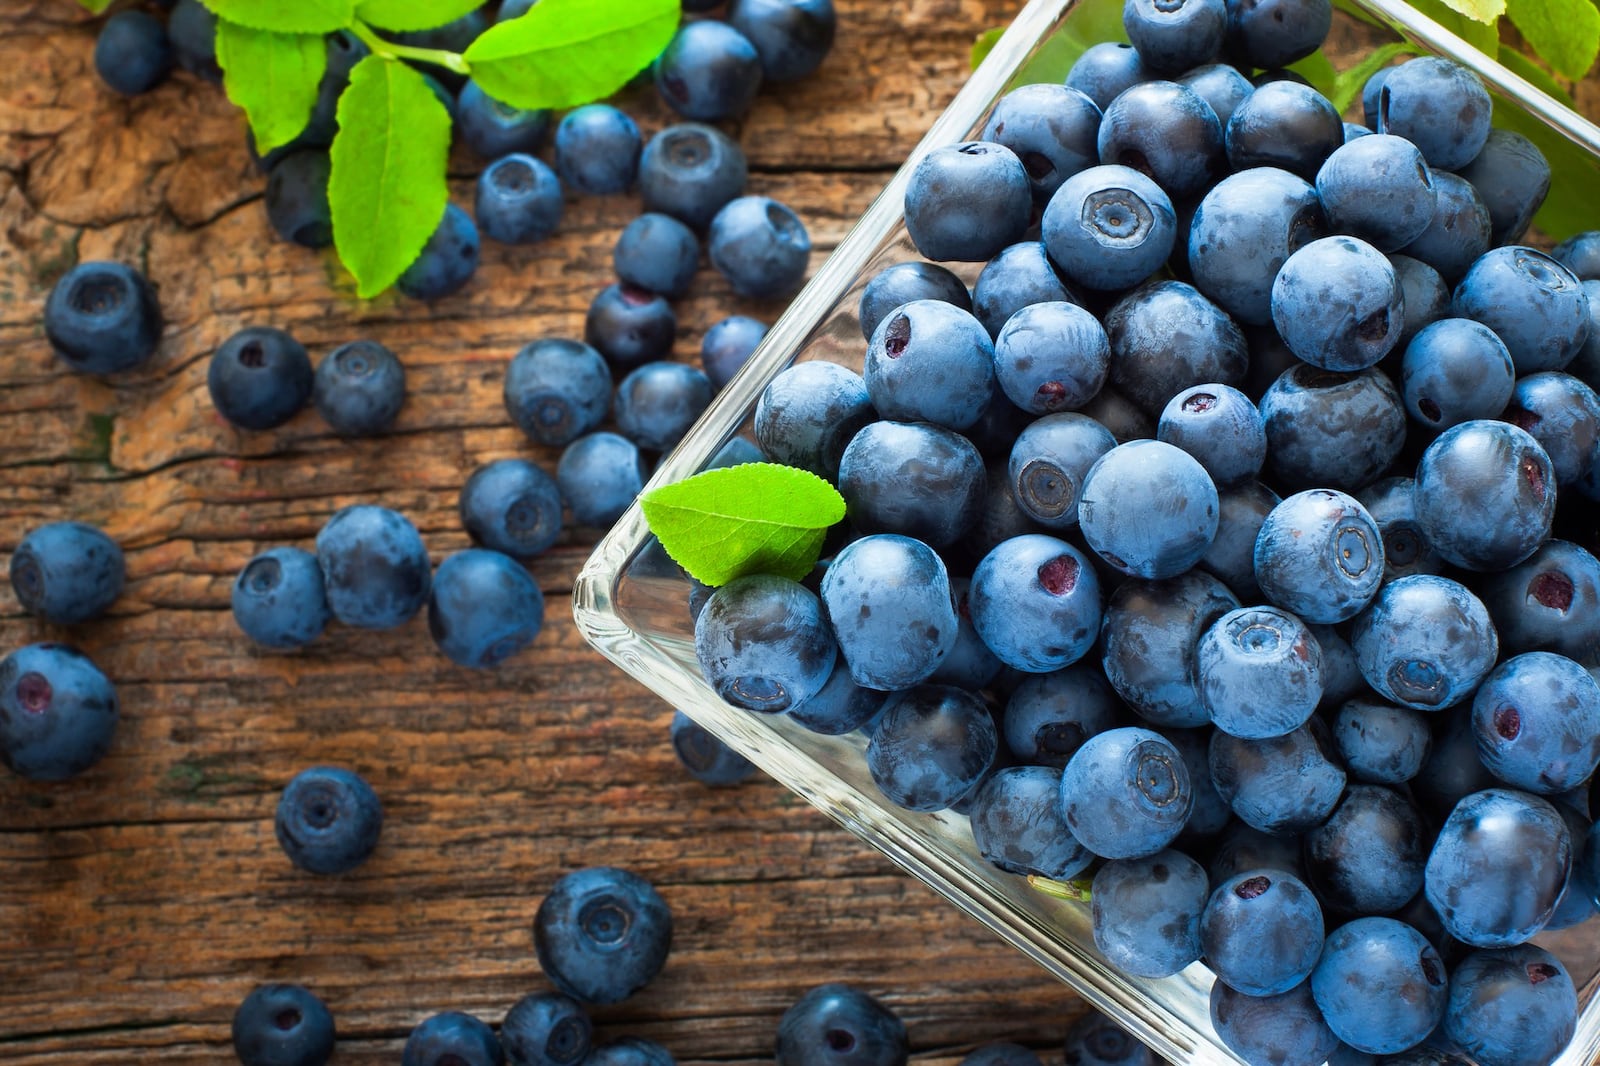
389 50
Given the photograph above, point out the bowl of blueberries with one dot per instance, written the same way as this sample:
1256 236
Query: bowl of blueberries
1216 613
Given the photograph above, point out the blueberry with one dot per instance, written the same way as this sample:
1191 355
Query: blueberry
967 201
1534 304
1456 370
1513 1007
1262 932
1331 429
546 1029
1148 637
657 253
1021 275
760 246
837 1025
1580 254
1135 539
359 389
1536 719
518 200
1105 70
1052 128
904 282
931 746
1246 226
1284 125
1210 814
1126 793
1275 33
658 402
1354 131
1035 601
1459 232
1424 293
1165 336
1550 602
1512 177
1221 86
192 28
1285 1028
512 506
1242 847
132 53
630 326
1368 857
1173 37
1051 357
57 712
1391 503
1241 511
1380 986
1337 304
1563 415
279 599
705 756
728 345
630 1051
597 150
1485 495
930 361
297 198
452 1039
1049 716
969 664
374 566
67 572
1498 867
1219 426
1283 784
556 390
1109 227
1048 463
1380 743
599 475
792 37
1438 105
260 378
495 130
1166 131
1095 1040
1426 642
102 318
448 260
601 934
328 820
689 171
840 706
763 643
709 72
1260 672
483 608
889 601
282 1025
914 478
808 414
1145 913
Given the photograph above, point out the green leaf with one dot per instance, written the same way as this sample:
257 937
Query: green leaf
755 518
1518 63
1318 70
1347 86
563 53
1484 11
1089 23
406 15
387 185
1574 174
97 7
286 16
273 77
1485 37
1565 33
984 43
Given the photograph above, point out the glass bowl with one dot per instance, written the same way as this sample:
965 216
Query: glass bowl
631 600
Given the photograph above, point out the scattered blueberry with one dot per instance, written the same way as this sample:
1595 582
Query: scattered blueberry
57 712
546 1029
452 1039
102 318
556 390
282 1025
837 1025
597 150
260 378
67 572
629 326
359 389
602 934
599 475
447 261
483 608
132 53
760 246
657 253
328 820
279 599
374 566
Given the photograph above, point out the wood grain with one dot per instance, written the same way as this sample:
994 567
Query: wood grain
142 901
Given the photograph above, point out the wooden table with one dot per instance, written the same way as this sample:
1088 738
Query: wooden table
139 903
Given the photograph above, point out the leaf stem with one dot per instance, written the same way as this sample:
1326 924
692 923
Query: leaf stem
1076 890
389 50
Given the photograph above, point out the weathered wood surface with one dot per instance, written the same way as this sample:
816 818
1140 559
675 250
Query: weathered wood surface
139 903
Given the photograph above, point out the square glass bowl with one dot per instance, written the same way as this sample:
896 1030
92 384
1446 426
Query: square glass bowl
631 600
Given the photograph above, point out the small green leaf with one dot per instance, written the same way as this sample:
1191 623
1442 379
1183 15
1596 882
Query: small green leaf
1518 63
1565 33
1089 23
1348 85
1077 891
403 16
1484 36
273 77
755 518
97 7
387 185
563 53
286 16
1575 174
984 43
1484 11
1318 70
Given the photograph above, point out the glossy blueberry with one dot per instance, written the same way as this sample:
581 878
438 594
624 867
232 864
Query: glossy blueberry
1275 33
1095 1040
597 150
1220 85
260 378
1109 227
709 72
1536 719
1165 336
511 506
1380 743
359 389
1241 510
708 760
1512 177
1379 189
792 37
1286 1028
1338 305
913 478
282 1025
838 1025
630 326
931 746
1368 857
1145 912
1219 426
448 260
1260 672
933 362
1126 793
1551 602
57 712
889 600
1241 847
556 390
132 53
1498 867
1512 1007
67 572
1166 131
1048 464
728 345
601 934
102 318
630 1051
1035 601
494 129
657 253
518 200
1148 637
1438 105
1459 232
658 402
1563 415
689 171
374 566
1243 230
452 1039
968 201
1456 370
546 1029
1534 304
1138 540
1051 128
483 608
192 28
1173 37
1105 70
279 599
1051 357
1425 642
1283 784
1380 986
1019 276
904 282
1331 429
1049 716
328 820
297 198
1285 125
808 414
760 246
763 643
840 706
1485 495
1262 932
